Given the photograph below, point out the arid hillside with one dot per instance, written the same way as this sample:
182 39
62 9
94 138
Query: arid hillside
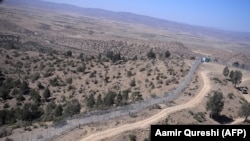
59 61
50 71
88 29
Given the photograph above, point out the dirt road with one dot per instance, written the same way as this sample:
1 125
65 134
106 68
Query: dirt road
154 119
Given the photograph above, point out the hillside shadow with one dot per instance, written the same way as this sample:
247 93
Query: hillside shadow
222 119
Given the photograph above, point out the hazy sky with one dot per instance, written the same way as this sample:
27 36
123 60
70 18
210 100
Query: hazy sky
224 14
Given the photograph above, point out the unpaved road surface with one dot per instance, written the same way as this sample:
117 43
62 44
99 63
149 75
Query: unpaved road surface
154 119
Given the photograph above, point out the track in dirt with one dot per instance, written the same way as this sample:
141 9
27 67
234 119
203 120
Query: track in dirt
154 119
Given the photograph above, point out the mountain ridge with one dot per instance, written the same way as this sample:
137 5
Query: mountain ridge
131 18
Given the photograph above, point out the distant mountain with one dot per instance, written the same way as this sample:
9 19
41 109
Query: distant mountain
138 19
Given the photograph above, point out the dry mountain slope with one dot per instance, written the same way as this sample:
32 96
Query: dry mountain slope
147 122
138 19
77 24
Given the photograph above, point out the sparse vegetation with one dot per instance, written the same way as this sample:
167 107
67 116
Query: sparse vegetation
245 110
49 78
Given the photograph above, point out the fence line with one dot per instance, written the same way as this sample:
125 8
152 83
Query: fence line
55 131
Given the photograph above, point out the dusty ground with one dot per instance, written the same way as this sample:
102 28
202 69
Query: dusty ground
181 117
184 116
152 114
156 73
155 118
62 31
155 79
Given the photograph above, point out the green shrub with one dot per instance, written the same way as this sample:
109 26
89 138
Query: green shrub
35 76
200 116
54 82
142 69
69 80
132 137
133 83
230 96
129 73
136 96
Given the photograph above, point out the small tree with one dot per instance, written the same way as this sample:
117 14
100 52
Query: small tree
125 96
76 106
81 68
68 53
116 57
245 110
46 94
237 77
215 104
236 64
91 101
136 96
40 86
99 101
151 54
24 88
129 73
110 54
133 83
19 66
73 107
2 78
49 115
20 97
80 56
231 75
31 112
109 98
132 137
119 100
58 111
99 57
35 96
225 71
4 93
167 54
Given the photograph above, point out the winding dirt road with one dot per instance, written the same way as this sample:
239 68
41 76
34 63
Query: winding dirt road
154 119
